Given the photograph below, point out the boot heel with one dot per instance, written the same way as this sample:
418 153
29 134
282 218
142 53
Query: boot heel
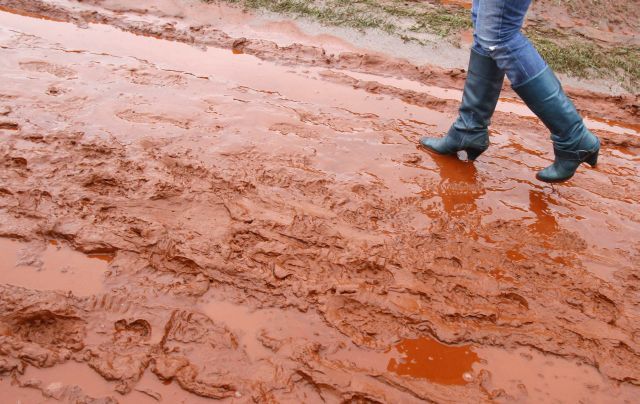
592 160
473 154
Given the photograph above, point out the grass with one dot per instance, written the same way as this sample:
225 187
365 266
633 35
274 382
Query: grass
345 13
404 19
583 58
422 21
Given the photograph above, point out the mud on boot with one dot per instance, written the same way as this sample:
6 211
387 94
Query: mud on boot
470 130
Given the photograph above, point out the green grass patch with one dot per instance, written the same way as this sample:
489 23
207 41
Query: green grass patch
335 12
404 19
581 58
443 21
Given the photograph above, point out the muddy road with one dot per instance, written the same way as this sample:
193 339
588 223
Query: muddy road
193 210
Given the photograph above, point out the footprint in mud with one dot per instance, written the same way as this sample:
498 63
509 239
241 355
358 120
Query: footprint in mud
47 328
197 352
150 118
9 125
298 130
46 67
155 78
135 330
56 90
335 123
15 162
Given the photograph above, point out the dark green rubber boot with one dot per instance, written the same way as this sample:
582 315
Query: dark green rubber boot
573 143
481 91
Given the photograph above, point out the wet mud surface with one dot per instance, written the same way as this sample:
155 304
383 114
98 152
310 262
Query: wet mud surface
187 215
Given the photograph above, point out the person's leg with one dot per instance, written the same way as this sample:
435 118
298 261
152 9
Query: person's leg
475 5
481 91
498 33
573 143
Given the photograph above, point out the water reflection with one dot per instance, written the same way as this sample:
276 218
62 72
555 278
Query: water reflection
459 186
545 223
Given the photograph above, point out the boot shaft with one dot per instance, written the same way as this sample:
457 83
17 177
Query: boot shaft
544 95
481 91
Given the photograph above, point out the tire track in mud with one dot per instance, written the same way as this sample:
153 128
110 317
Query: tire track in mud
270 213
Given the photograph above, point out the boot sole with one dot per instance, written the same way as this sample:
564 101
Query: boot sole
429 149
553 181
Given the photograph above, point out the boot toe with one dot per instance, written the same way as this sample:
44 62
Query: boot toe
433 144
555 173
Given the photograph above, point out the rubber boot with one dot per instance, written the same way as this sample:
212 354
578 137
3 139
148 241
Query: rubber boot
470 130
573 143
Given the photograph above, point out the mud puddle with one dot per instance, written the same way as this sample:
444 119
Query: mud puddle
53 267
428 359
255 326
17 394
248 324
151 390
520 374
75 382
212 64
70 382
69 374
523 375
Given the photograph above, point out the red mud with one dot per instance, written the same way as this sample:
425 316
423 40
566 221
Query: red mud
425 358
259 226
459 3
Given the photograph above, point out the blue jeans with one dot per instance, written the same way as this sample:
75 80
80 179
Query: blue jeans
496 26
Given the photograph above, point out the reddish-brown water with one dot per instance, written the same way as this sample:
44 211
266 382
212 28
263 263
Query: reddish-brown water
255 223
425 358
51 267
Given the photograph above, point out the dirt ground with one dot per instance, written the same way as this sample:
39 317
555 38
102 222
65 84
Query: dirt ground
190 211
